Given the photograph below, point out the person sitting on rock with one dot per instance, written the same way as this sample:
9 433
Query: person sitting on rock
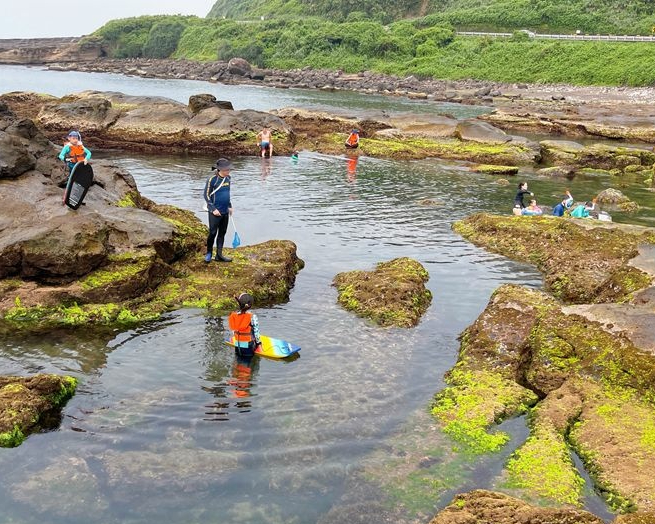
264 139
532 209
245 327
74 151
352 142
519 205
564 205
584 210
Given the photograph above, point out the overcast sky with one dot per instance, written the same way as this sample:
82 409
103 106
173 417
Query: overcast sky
40 18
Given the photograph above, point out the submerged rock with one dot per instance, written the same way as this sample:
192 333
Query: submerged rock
24 400
393 294
488 507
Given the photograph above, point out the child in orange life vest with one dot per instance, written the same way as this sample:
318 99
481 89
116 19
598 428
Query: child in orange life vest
245 327
74 151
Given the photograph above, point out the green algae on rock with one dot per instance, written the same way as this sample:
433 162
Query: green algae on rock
543 466
482 389
487 169
393 294
583 261
594 392
23 401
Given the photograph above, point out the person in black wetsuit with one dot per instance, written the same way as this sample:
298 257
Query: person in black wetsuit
519 205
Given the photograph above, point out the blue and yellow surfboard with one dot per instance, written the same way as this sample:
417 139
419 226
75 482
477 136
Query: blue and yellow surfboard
272 347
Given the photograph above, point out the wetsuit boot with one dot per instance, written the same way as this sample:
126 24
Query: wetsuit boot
219 256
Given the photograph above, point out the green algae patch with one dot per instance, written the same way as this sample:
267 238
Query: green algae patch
582 261
474 401
24 400
413 147
487 169
129 200
542 466
393 294
614 438
122 267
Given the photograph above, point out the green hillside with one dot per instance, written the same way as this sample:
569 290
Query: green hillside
589 16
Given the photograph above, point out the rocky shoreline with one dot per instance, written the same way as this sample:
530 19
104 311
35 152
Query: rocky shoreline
607 112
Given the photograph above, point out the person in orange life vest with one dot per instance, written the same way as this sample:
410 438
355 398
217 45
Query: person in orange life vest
245 327
352 142
74 151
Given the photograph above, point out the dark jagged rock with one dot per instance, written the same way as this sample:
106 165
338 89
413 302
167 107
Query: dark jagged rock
199 102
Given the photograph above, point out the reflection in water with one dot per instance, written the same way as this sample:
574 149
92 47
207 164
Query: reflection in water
234 392
353 158
266 168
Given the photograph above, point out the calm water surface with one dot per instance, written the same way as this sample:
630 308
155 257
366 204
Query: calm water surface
167 427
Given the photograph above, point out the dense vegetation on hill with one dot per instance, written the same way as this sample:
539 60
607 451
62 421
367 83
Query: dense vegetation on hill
590 16
416 47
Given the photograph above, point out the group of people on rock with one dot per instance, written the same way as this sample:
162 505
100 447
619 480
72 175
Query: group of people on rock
565 206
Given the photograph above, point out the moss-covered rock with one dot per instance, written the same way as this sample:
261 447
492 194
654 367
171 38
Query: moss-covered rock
134 286
393 294
24 401
495 170
542 466
593 391
473 402
488 507
582 262
598 156
415 147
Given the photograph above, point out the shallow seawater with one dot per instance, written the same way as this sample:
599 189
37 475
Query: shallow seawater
168 427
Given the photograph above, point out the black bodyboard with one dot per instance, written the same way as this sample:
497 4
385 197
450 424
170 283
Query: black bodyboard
79 182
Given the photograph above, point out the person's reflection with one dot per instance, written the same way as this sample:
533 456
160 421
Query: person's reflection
266 168
242 379
352 168
231 377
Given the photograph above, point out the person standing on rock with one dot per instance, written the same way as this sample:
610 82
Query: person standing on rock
74 151
519 204
265 140
219 206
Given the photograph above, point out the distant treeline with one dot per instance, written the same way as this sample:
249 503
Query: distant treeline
408 47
